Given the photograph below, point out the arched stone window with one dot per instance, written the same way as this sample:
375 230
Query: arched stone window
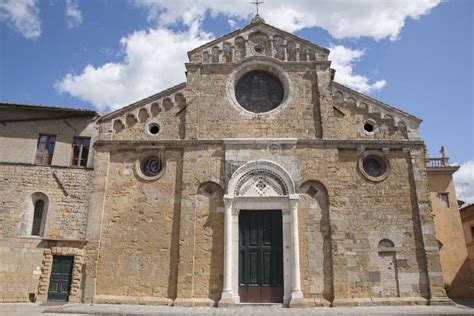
37 218
34 214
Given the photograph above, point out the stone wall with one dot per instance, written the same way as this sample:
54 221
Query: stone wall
139 245
210 114
21 255
361 214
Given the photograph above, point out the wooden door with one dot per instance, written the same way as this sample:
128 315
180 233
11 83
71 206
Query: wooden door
60 280
260 257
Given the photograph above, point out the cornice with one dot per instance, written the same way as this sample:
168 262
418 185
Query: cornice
321 143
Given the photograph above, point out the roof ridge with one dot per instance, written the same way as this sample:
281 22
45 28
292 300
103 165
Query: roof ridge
45 107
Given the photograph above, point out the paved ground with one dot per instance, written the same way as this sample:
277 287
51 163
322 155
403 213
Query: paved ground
125 310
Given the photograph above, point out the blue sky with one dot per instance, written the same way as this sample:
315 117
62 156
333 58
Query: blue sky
414 55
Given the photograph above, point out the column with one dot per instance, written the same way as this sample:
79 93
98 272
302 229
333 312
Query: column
296 294
227 298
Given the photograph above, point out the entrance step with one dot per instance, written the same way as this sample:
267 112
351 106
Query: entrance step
278 305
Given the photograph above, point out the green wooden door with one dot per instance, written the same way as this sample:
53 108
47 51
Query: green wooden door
260 257
60 280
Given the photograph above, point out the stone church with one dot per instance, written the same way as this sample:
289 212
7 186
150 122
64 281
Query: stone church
258 180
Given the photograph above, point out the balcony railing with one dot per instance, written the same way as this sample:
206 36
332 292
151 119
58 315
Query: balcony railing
437 162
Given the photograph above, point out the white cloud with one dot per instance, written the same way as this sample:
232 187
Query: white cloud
378 19
343 60
73 14
153 61
232 24
464 182
22 16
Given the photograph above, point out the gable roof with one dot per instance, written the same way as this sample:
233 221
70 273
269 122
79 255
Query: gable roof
144 101
256 25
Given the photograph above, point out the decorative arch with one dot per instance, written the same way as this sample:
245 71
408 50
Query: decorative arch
386 243
262 185
261 178
210 189
314 204
316 190
33 201
209 224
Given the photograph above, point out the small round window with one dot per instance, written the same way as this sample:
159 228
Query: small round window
259 91
151 166
374 166
153 128
369 127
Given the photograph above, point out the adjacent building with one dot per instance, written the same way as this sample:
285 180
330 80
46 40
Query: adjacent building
449 228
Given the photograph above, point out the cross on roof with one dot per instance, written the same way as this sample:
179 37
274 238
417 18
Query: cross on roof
257 3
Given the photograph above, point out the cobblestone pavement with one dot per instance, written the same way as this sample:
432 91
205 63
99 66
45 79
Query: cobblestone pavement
123 310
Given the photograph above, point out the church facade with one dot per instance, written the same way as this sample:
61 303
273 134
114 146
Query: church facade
260 179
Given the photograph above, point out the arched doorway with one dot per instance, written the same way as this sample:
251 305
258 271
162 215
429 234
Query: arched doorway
260 190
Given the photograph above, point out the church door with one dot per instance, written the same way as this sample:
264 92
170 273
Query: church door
260 257
60 281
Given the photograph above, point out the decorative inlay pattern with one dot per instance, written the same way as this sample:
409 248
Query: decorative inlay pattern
261 182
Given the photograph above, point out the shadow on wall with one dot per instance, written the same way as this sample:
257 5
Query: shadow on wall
420 253
174 255
463 283
215 223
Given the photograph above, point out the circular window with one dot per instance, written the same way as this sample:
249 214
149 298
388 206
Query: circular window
259 49
153 128
374 166
151 166
369 127
259 92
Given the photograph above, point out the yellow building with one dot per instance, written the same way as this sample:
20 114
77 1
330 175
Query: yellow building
467 219
449 229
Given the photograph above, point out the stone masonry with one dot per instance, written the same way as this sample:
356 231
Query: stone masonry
172 237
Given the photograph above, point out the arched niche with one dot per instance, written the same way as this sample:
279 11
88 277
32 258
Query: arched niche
315 225
209 249
31 202
388 269
118 126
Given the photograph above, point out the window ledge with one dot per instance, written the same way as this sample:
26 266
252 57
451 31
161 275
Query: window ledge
31 237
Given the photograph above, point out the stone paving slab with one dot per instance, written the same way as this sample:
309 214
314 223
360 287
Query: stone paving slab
129 310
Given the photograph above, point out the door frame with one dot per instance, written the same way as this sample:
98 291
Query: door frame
281 236
263 204
69 281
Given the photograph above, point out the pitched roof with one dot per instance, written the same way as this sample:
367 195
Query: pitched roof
15 112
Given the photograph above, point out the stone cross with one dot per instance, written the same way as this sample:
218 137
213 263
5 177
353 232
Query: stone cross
257 3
